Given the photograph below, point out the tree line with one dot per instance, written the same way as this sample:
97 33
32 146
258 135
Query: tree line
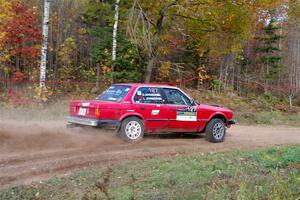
219 42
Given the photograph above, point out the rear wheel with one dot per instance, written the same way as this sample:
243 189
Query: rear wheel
132 129
215 131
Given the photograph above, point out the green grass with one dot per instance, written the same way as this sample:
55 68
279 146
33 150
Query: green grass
272 173
252 110
275 117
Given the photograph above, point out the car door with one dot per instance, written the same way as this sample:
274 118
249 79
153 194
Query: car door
149 102
182 115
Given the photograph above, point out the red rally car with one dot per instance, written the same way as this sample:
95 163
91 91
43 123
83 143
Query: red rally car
136 109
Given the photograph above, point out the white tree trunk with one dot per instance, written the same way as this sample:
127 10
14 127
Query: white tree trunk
293 61
44 43
115 31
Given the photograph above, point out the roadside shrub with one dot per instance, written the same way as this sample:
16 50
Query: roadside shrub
263 118
17 98
268 100
217 85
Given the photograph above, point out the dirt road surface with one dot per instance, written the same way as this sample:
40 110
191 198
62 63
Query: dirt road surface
32 151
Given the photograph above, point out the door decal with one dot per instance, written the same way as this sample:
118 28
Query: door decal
186 116
152 97
154 112
190 114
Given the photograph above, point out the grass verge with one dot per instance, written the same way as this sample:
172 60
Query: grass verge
275 117
273 173
55 111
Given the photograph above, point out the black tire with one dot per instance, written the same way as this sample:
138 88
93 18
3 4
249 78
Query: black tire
135 125
215 131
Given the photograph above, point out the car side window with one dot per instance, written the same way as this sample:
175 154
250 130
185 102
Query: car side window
175 97
151 95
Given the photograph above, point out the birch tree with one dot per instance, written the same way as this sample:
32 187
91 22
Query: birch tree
294 50
115 31
293 54
44 44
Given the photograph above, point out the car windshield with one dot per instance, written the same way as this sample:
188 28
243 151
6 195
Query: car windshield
114 93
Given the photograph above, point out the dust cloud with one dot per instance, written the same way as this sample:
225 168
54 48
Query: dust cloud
33 136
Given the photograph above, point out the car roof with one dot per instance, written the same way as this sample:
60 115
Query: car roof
145 84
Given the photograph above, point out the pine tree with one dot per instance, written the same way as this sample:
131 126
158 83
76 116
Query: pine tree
270 51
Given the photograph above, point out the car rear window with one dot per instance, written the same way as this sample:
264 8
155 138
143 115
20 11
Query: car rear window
114 93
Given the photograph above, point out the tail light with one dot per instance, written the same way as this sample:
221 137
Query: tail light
97 112
72 109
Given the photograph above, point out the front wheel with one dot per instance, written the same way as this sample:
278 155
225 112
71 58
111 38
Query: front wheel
132 129
215 131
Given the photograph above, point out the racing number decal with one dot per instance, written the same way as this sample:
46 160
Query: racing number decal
82 111
187 115
152 94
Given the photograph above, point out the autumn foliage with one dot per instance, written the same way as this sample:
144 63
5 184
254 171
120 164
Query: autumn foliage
206 44
21 36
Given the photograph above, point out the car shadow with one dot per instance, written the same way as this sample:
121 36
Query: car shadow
174 135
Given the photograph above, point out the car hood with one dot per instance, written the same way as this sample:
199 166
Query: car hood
213 108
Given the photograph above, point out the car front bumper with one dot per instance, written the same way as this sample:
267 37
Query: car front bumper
92 122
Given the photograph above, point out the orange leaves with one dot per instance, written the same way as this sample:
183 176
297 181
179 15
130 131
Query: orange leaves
65 54
223 26
294 11
82 31
202 74
5 15
164 69
42 94
66 50
105 69
19 29
5 12
18 77
163 50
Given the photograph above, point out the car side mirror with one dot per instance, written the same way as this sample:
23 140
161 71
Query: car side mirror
193 103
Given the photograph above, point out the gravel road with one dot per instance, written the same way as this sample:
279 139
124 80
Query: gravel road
31 151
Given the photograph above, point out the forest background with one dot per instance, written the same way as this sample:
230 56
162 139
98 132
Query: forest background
243 48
